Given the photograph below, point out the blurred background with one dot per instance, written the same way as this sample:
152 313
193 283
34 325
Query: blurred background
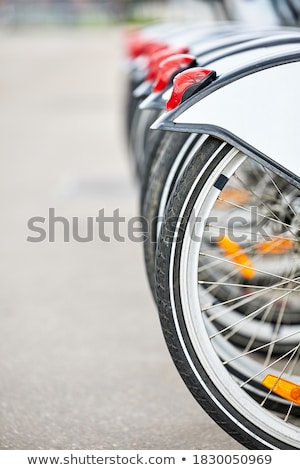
82 358
95 12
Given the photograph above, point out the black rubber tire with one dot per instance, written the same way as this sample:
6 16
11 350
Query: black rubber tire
153 144
141 138
171 315
130 105
169 147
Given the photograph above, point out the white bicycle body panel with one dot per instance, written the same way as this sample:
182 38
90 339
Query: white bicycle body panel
258 113
262 109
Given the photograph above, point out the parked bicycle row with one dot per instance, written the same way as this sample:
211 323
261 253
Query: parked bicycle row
212 127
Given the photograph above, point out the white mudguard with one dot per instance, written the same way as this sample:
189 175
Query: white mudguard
258 113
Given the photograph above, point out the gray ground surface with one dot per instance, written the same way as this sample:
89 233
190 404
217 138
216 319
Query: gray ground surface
82 358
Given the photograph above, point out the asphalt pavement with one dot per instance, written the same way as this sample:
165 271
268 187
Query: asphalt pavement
82 357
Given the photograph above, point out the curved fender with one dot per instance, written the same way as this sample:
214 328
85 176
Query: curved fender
258 113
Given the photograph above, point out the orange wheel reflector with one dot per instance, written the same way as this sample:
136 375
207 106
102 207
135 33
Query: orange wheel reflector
284 388
236 254
275 246
236 195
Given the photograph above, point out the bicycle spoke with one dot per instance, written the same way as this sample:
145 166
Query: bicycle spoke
255 313
254 269
280 192
223 228
261 371
271 219
245 297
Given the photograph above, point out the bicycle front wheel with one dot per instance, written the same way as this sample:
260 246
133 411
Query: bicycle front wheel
228 299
